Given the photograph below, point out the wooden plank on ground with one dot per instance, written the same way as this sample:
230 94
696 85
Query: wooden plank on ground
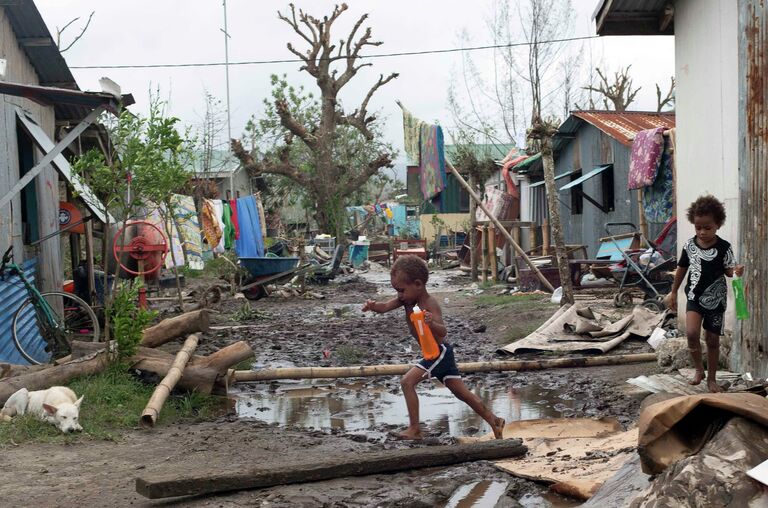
389 461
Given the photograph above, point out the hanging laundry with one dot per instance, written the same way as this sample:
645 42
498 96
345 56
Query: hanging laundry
211 229
185 216
218 208
647 148
229 229
411 132
262 216
233 208
658 199
432 167
155 214
251 242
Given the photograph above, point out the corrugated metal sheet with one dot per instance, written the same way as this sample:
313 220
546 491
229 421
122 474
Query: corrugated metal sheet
632 17
12 294
620 125
750 352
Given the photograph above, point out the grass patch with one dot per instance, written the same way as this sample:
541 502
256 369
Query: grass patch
113 402
517 332
349 355
244 365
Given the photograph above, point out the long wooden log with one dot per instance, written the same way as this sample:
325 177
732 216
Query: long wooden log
466 368
390 461
226 357
501 228
163 390
56 375
177 326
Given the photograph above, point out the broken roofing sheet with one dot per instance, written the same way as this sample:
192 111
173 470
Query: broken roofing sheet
578 329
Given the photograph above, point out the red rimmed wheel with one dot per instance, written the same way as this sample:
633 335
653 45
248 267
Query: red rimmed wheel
140 247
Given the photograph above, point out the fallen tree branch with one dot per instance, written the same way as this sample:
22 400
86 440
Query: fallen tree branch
177 326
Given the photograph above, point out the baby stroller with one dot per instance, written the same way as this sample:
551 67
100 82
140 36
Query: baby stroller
648 270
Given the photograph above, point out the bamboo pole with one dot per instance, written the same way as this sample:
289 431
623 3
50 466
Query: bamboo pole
545 237
472 233
484 244
466 368
492 252
163 390
532 239
499 225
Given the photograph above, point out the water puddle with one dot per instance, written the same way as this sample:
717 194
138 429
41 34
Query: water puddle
547 500
357 407
484 494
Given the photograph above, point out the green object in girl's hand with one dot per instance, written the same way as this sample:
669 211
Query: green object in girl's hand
741 301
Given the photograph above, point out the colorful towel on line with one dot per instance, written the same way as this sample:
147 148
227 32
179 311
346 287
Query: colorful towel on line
218 207
235 224
411 133
229 228
432 168
211 229
646 157
658 199
251 242
185 216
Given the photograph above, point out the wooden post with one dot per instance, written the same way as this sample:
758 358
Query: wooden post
498 224
516 239
532 239
179 482
466 368
472 233
89 262
183 324
74 240
545 237
484 244
641 213
163 390
492 251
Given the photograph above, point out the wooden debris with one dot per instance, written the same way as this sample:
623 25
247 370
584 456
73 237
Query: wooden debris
178 326
338 466
163 390
466 368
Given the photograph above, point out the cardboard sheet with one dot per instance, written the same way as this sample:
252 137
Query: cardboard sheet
576 455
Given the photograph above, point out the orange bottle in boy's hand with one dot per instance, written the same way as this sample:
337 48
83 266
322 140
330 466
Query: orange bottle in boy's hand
429 347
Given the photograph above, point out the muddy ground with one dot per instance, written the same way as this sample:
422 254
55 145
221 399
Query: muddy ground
338 416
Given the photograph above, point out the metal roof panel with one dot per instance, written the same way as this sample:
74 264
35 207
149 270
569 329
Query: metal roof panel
12 295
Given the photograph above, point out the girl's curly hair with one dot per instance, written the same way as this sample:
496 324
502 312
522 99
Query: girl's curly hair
413 267
707 205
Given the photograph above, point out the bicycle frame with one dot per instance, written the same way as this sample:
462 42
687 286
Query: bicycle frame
38 302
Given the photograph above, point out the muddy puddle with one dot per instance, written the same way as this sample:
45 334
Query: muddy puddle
371 408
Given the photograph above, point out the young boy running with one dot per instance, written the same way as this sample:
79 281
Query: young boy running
409 277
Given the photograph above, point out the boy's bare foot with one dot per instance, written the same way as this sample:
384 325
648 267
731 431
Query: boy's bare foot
697 378
713 386
498 428
410 434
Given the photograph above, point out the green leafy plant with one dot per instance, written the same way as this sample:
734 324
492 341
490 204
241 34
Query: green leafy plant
245 312
128 320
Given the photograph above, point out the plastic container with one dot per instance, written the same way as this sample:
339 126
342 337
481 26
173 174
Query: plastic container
429 348
742 312
358 252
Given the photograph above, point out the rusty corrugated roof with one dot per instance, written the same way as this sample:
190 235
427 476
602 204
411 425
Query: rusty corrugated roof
624 125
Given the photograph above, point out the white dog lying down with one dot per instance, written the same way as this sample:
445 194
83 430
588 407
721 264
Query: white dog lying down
57 405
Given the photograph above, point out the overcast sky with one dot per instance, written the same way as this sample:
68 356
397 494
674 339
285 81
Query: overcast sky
184 31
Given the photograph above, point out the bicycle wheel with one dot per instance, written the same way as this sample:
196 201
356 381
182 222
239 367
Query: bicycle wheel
73 320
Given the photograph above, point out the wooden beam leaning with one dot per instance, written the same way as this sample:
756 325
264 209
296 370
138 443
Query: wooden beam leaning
389 461
499 226
464 368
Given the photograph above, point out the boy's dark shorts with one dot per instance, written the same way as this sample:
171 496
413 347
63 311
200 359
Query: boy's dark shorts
711 321
444 367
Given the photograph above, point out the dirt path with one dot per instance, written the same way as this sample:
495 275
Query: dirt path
297 332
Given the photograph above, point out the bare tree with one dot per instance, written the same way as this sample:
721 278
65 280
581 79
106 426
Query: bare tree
60 31
669 99
617 92
329 183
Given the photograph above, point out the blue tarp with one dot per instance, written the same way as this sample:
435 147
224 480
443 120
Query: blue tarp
251 243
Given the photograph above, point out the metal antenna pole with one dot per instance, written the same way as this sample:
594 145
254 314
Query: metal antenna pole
229 122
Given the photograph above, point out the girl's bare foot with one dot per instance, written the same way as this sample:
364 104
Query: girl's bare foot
697 378
410 434
713 386
498 428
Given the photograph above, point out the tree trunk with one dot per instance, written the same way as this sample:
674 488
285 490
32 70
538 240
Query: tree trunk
467 368
182 484
472 239
554 219
178 326
56 375
160 395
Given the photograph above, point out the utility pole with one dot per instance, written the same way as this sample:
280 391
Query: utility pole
229 119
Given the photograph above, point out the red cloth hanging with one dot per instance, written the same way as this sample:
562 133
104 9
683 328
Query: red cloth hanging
233 206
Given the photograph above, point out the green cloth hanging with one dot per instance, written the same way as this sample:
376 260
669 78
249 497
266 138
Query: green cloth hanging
229 227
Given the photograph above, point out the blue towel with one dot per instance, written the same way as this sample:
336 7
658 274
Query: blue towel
251 243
